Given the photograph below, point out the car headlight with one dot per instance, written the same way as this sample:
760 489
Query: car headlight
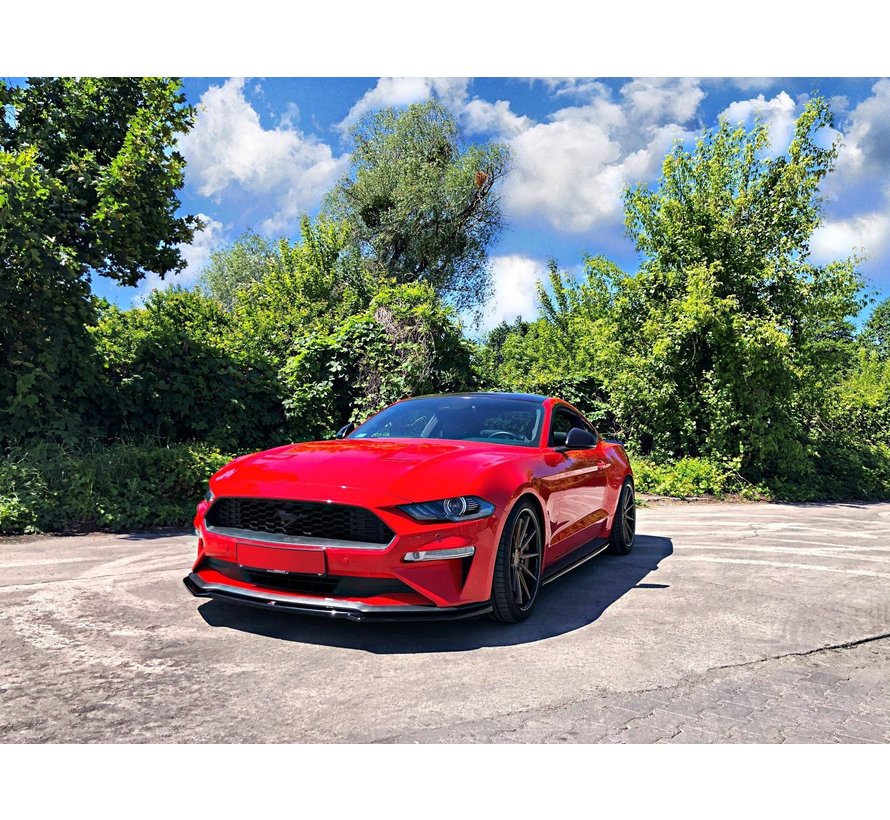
459 508
209 496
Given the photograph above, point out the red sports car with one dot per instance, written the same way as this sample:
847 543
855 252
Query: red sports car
442 506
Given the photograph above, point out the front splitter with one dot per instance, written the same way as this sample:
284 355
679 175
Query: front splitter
350 610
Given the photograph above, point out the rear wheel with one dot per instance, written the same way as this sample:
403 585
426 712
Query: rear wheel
517 568
624 526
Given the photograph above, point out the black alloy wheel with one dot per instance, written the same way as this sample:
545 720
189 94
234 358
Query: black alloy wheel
517 571
624 526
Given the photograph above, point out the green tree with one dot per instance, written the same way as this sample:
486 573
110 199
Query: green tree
729 353
104 148
568 351
88 181
728 330
245 261
308 286
342 342
420 205
490 351
876 332
728 202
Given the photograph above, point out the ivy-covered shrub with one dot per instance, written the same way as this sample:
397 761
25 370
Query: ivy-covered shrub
405 344
54 488
170 371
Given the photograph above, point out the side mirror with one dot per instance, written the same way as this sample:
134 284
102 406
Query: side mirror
578 439
345 430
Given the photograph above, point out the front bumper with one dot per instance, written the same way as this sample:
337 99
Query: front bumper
351 580
351 610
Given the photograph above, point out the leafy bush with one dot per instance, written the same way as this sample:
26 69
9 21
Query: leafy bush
171 372
51 488
692 477
858 406
841 469
845 469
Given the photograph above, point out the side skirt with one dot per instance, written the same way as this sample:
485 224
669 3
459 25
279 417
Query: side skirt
574 559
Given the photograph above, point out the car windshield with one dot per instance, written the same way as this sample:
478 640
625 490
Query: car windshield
466 418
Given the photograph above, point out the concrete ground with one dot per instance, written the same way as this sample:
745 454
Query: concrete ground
727 623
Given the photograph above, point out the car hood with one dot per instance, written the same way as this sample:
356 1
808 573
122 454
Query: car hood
388 471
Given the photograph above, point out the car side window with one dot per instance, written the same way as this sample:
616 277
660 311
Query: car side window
585 425
564 420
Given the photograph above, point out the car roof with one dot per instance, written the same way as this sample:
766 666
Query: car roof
529 397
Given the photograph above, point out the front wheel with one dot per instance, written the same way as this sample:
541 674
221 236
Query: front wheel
624 525
517 568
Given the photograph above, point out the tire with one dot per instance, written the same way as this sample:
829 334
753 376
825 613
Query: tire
517 568
624 525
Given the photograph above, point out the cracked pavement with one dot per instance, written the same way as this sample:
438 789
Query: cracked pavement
727 623
835 695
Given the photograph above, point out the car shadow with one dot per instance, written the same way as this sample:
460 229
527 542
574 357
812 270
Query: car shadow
569 603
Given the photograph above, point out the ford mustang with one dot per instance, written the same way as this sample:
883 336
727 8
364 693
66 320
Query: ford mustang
440 506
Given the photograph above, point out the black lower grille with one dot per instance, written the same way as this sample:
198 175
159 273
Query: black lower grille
291 581
334 585
338 522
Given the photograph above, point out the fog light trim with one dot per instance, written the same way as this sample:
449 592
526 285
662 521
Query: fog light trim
440 555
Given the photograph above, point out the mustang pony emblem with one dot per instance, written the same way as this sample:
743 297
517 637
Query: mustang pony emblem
287 518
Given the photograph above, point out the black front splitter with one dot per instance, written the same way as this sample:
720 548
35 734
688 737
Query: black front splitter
350 610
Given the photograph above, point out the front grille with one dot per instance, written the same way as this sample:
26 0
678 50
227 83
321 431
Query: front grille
337 522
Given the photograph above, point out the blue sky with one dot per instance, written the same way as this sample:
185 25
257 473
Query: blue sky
264 151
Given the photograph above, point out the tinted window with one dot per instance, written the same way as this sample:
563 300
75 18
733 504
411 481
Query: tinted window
564 420
465 418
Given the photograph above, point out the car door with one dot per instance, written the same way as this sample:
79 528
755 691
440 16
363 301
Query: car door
577 487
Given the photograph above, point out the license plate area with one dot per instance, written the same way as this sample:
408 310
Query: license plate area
304 560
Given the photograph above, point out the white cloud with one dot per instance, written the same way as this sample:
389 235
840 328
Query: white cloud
752 83
867 234
779 114
482 117
559 175
661 100
399 91
863 165
867 138
452 91
228 147
515 294
477 116
572 170
290 117
196 255
573 86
